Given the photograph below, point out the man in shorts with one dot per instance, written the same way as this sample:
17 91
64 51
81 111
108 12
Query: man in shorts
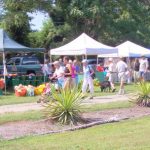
143 67
111 71
121 68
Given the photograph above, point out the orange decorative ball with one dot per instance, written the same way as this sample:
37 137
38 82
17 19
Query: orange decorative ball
2 84
21 92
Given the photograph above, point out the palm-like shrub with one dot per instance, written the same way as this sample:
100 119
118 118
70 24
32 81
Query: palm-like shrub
142 98
66 106
80 85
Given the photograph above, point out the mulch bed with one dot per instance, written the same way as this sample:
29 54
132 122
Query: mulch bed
24 128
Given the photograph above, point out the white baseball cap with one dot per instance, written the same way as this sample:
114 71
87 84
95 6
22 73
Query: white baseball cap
70 61
110 59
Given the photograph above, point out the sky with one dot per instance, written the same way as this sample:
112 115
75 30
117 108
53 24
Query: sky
38 19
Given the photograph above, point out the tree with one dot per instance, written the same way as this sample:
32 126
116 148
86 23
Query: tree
110 21
15 19
49 36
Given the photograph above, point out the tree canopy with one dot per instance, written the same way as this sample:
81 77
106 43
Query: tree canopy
111 22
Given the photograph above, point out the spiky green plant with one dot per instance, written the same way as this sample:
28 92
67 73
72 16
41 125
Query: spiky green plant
142 98
66 108
80 84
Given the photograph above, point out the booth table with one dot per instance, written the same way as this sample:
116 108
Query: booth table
25 80
99 75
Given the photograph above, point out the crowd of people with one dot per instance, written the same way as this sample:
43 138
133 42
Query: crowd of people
136 71
66 73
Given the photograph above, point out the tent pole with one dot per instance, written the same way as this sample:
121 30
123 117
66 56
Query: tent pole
82 57
44 66
50 58
85 56
4 70
97 59
129 64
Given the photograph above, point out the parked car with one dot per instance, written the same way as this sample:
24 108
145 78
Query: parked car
23 65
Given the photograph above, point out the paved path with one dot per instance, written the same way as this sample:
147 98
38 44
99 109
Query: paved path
35 106
20 107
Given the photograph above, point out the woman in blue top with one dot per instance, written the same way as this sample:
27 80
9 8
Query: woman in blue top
77 70
87 79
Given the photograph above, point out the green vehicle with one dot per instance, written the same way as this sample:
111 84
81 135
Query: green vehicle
24 65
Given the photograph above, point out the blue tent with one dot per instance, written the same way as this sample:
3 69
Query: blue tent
9 45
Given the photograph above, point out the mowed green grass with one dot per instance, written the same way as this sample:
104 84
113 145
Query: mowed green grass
39 114
21 116
12 99
107 106
126 135
129 88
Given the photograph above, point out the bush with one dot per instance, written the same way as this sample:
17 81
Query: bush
142 98
80 85
66 108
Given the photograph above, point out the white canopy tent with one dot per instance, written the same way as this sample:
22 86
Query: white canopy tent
129 49
83 45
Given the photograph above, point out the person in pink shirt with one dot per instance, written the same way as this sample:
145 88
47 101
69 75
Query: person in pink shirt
73 74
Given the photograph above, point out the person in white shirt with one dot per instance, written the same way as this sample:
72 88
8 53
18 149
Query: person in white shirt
111 71
143 67
58 74
47 68
121 68
87 79
61 62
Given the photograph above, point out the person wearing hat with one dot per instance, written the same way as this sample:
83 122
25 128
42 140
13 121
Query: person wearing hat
143 67
58 74
121 68
87 79
68 84
111 71
77 70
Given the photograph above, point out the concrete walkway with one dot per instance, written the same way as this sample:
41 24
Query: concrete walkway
20 107
35 106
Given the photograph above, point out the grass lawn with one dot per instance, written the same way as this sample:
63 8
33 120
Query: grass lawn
21 116
12 99
111 105
129 88
126 135
37 115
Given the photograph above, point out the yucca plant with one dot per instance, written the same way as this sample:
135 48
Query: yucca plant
80 85
66 106
142 98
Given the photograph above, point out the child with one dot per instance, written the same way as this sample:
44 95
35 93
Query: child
47 89
45 94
